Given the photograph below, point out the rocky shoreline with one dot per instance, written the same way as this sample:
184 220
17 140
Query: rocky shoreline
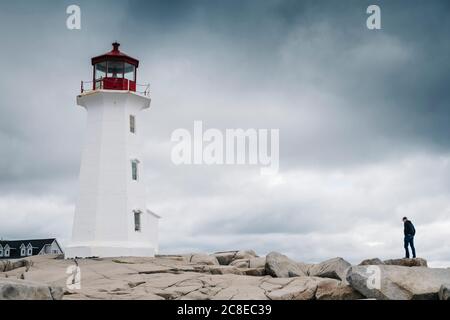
230 275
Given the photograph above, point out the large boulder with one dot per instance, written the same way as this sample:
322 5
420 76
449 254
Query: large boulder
386 282
224 270
12 289
241 263
228 257
372 262
314 288
245 254
334 268
205 259
444 292
249 263
305 267
225 257
416 262
255 272
332 289
259 262
280 266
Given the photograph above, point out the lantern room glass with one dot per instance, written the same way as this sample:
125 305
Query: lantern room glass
100 70
115 69
130 73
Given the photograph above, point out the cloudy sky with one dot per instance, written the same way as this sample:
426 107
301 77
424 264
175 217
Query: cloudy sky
363 118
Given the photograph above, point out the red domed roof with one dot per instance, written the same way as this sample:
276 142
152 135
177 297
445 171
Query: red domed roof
116 55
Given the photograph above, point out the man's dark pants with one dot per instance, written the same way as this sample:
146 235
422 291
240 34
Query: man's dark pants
409 241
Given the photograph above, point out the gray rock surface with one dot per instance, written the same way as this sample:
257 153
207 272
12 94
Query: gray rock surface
372 262
259 262
416 262
301 288
241 263
224 270
444 292
225 257
397 282
200 258
245 254
314 288
8 265
305 267
280 266
13 289
334 268
332 289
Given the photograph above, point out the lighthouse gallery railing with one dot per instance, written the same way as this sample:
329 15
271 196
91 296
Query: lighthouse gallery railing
102 84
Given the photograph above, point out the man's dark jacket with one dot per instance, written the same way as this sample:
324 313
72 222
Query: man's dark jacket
409 228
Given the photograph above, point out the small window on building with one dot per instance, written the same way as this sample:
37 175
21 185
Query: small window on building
137 221
135 169
29 251
1 252
132 124
23 251
6 252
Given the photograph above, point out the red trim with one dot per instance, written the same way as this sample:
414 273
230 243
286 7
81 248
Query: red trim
116 84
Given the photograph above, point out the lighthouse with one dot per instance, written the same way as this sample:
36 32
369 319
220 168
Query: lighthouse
111 216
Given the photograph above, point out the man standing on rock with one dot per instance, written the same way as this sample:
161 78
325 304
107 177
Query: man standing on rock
410 232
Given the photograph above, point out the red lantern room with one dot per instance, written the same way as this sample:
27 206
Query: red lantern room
114 71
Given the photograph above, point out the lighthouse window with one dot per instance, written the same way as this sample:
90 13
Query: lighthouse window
134 169
129 72
137 221
115 69
100 70
132 124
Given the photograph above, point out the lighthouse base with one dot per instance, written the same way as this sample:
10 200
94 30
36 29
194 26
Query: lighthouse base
109 250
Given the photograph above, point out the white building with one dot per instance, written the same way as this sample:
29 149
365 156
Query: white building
111 217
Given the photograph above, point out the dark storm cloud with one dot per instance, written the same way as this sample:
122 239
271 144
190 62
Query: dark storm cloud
365 91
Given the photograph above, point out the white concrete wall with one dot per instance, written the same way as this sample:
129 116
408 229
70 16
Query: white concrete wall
104 216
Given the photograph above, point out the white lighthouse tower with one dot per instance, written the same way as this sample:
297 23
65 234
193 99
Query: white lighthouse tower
111 217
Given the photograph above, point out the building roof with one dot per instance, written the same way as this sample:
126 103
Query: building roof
117 55
37 244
